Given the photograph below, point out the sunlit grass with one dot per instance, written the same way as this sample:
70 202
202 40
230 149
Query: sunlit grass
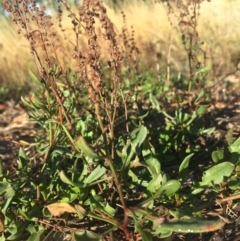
218 29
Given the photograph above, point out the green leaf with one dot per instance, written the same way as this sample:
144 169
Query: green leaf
154 102
146 236
24 214
6 190
192 225
229 137
86 236
138 136
201 109
17 230
132 175
2 238
235 146
153 165
217 155
155 183
22 153
95 174
81 144
109 210
34 77
182 213
66 180
22 159
36 236
168 189
200 95
184 168
163 233
233 184
208 131
27 103
216 174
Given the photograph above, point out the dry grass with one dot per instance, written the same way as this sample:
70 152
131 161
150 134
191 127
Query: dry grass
218 28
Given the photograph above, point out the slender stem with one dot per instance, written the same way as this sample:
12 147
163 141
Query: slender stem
1 168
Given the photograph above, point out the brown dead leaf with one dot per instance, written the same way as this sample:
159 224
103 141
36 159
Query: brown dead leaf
57 209
2 218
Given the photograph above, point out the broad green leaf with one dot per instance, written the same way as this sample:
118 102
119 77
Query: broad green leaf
216 174
36 236
192 225
235 146
153 165
233 184
148 149
184 168
217 155
6 190
17 230
155 183
86 236
95 174
169 188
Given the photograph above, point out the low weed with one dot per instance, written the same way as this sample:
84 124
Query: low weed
115 160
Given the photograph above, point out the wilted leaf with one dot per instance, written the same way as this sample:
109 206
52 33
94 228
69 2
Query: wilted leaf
2 218
80 210
57 209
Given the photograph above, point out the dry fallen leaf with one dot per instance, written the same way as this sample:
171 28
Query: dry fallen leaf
57 209
2 218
